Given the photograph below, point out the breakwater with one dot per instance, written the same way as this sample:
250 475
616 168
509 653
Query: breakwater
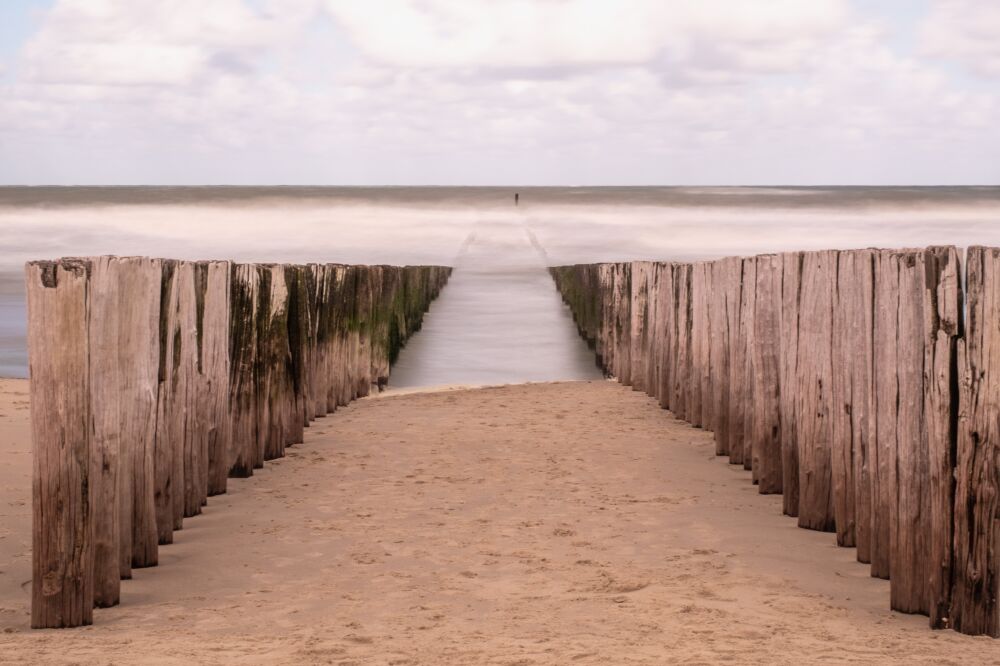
154 380
862 385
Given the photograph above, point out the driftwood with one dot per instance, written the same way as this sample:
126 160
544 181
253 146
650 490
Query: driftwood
847 381
153 380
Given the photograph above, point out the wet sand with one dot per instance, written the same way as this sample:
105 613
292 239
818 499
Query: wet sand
533 524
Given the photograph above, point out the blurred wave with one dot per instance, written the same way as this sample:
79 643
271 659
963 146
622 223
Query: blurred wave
500 317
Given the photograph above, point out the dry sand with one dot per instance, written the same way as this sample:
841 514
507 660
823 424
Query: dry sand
538 524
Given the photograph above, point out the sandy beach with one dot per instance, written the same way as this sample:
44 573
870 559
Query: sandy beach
532 524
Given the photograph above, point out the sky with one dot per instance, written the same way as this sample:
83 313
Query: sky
500 92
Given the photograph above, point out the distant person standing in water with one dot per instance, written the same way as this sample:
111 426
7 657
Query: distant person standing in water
516 197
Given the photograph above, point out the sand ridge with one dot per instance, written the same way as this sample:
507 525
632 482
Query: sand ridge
529 524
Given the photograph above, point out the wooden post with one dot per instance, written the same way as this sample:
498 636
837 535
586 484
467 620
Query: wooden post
726 284
139 288
329 334
908 583
766 364
175 440
696 292
719 353
657 320
791 296
623 291
639 324
244 286
300 350
272 353
853 413
653 332
709 324
668 338
701 274
62 492
974 602
747 313
883 468
682 360
813 390
214 421
738 366
943 326
103 332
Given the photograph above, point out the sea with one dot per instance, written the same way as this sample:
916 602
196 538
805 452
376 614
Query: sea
500 319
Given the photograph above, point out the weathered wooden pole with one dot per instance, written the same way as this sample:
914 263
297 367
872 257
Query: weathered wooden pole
766 362
791 296
853 413
813 389
883 467
747 314
139 288
943 328
736 315
175 436
655 332
975 594
63 495
213 411
639 323
697 338
681 399
272 353
908 586
300 346
104 306
668 354
244 286
720 280
707 361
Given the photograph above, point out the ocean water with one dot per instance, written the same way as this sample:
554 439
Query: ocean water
500 318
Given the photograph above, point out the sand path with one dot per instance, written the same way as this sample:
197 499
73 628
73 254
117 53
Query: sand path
537 524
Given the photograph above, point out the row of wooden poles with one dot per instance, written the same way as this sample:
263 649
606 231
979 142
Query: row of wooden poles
154 380
863 385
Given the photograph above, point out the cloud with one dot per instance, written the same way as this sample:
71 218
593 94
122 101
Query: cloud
964 30
526 35
123 42
404 91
